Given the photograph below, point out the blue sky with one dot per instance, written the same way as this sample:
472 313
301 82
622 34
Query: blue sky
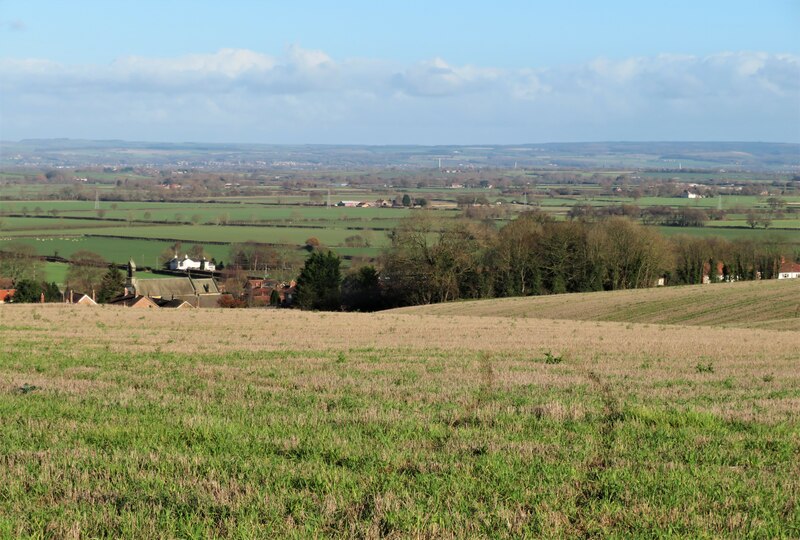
400 72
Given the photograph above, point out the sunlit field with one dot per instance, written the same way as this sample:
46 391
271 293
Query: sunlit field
212 423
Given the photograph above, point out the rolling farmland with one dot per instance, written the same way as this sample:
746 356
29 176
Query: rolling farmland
764 304
121 422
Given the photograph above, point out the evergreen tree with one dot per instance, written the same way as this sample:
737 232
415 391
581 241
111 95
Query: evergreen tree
51 292
318 286
112 285
27 291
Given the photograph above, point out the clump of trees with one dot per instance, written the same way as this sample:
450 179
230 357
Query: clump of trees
29 291
431 261
20 261
85 272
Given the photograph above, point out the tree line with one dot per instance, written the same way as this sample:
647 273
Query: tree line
532 255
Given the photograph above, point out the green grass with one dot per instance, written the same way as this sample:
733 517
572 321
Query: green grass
57 272
728 233
212 233
126 445
144 252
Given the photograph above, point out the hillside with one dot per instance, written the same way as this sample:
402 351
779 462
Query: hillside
757 304
129 423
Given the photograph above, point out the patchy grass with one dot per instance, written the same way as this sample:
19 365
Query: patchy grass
765 304
212 423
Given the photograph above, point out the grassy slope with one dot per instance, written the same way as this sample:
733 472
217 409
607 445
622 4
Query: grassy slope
770 304
281 423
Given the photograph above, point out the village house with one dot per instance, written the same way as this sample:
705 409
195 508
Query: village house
259 291
185 264
177 303
72 297
789 270
133 301
686 194
707 272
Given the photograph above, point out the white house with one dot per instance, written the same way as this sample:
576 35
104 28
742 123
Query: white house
176 263
690 195
789 271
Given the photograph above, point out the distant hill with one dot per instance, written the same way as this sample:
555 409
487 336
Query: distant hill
612 155
773 304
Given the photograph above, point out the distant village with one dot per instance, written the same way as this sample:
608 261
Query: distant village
197 288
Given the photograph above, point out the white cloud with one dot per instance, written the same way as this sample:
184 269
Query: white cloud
303 95
437 78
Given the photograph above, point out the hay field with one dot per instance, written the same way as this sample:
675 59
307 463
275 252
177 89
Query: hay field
757 304
240 424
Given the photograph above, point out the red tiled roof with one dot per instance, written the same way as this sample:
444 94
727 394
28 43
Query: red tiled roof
790 267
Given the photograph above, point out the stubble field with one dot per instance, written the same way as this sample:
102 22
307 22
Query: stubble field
209 423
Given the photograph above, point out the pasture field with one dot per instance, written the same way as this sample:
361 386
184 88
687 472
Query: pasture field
728 233
133 423
57 273
751 304
209 212
117 250
212 233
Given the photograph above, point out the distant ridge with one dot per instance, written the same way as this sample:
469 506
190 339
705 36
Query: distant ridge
614 154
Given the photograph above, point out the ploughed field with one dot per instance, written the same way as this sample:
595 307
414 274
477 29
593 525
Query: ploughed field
756 304
118 422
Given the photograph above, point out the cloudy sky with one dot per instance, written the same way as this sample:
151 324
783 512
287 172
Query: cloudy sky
400 72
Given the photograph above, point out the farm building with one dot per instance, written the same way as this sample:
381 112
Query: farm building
176 263
789 270
686 194
6 294
199 292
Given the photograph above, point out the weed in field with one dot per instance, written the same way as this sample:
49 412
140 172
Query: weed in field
707 367
550 358
769 377
26 388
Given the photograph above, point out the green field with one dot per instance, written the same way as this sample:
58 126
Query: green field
729 233
130 423
57 273
144 229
